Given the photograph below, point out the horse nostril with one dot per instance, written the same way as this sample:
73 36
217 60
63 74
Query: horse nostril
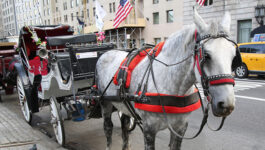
221 105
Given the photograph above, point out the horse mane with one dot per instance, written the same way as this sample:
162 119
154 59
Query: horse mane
185 36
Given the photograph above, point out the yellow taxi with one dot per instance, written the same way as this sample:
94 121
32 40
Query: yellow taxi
253 58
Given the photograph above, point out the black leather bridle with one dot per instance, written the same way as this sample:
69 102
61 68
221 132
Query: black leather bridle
200 59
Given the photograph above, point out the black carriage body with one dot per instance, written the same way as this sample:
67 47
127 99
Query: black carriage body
80 59
84 59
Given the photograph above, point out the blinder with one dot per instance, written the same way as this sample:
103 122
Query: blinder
237 60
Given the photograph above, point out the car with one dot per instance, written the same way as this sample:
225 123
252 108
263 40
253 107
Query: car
253 59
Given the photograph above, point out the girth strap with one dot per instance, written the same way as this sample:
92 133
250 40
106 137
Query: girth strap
172 100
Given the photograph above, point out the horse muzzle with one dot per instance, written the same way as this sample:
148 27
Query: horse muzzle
222 108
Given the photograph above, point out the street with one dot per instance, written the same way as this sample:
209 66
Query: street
243 130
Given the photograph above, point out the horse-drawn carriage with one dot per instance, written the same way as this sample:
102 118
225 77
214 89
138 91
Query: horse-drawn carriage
7 59
57 68
60 70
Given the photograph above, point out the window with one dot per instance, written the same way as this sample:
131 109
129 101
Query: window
72 3
77 2
110 7
170 16
244 29
156 18
157 40
72 16
65 18
57 9
252 48
49 22
87 13
94 11
64 6
208 2
113 5
155 1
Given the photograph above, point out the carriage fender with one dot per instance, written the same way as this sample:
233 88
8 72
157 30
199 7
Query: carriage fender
22 74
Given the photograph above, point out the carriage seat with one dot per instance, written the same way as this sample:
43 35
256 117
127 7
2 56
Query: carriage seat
63 61
37 67
71 39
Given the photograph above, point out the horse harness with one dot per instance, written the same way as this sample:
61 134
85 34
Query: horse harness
206 81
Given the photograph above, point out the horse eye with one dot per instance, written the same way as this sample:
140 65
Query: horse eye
207 56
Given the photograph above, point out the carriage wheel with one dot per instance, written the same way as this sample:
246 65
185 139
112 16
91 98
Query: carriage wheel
56 121
23 101
132 125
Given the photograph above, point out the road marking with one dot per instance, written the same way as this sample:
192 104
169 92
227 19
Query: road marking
252 98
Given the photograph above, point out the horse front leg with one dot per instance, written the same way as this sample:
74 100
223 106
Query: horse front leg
108 125
125 123
175 142
149 137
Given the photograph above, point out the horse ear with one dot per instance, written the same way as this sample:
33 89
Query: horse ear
226 22
200 24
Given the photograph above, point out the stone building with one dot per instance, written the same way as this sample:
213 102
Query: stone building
28 12
242 14
1 22
148 22
9 26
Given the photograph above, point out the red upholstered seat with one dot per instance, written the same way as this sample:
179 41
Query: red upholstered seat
35 66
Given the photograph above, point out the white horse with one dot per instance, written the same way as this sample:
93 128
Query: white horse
218 53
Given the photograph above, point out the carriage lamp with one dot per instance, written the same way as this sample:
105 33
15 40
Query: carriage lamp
259 14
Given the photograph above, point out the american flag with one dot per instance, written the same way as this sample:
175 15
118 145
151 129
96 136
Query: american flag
123 11
200 2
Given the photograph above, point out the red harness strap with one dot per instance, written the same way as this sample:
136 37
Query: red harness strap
172 103
222 81
129 69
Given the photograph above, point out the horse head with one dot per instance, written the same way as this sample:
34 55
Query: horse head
216 55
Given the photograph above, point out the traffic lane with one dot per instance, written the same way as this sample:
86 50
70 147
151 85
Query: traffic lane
258 92
244 129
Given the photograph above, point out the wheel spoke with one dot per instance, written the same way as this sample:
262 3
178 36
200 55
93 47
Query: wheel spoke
23 101
56 121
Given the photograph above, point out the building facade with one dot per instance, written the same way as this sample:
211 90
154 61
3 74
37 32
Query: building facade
9 26
242 14
28 12
163 17
1 22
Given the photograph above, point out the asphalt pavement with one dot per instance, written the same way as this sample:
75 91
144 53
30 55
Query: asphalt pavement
244 129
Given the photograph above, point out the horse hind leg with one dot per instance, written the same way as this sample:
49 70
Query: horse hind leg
125 122
175 142
108 125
